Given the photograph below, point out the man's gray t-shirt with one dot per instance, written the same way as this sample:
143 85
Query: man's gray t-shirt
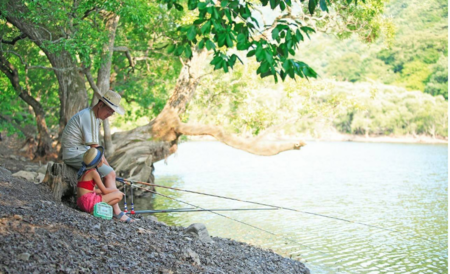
81 131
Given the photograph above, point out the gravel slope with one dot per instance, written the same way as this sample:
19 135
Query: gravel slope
39 235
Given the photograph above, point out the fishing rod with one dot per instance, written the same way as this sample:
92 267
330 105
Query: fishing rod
197 210
414 235
131 184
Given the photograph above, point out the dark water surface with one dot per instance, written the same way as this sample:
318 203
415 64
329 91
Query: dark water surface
402 187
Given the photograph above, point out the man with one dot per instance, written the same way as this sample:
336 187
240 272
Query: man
82 133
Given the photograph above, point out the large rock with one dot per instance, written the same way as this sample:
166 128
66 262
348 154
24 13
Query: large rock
199 230
43 169
27 175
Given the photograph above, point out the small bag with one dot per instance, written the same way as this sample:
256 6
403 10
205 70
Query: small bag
103 210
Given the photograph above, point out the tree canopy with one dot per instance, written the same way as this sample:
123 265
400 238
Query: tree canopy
52 50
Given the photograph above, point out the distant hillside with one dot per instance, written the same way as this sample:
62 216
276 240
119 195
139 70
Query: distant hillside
316 108
416 59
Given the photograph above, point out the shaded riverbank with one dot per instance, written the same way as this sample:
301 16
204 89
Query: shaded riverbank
41 235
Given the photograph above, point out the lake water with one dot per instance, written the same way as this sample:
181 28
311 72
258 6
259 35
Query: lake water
400 187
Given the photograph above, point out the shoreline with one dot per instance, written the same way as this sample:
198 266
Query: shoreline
406 139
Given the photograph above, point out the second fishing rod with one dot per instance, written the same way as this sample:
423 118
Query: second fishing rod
414 235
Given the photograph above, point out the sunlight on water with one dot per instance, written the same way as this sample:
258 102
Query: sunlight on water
400 187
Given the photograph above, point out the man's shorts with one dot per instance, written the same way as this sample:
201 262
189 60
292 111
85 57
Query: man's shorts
77 161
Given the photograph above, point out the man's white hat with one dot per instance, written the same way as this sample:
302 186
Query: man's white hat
112 99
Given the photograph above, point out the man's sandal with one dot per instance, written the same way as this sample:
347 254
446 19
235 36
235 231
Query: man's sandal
120 215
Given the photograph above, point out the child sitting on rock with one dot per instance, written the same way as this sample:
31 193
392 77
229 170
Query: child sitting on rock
89 177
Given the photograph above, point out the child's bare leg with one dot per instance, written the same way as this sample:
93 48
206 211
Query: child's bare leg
112 198
110 182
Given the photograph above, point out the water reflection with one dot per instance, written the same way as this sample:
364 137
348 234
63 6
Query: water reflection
400 187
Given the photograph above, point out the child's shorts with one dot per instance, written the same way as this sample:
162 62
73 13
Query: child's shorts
88 200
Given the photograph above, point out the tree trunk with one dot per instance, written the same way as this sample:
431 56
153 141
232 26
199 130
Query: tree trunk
104 74
62 181
72 90
44 140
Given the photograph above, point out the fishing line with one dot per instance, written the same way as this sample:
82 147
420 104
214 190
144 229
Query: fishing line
414 235
128 182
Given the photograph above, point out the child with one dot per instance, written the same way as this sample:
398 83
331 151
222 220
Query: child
88 178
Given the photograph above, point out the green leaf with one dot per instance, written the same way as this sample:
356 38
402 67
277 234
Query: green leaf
265 74
201 44
229 41
251 53
312 6
221 39
192 4
323 5
247 13
232 60
264 67
216 13
199 21
275 34
286 65
291 73
238 58
228 15
224 3
242 45
299 35
269 57
225 66
273 4
307 30
206 28
210 45
188 52
170 48
288 35
241 38
254 20
283 75
202 5
191 33
179 51
178 6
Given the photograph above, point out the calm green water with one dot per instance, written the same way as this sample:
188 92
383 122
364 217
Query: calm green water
402 187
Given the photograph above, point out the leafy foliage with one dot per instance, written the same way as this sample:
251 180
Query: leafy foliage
232 24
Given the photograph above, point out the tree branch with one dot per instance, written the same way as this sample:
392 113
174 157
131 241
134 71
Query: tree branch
91 81
252 145
126 50
13 41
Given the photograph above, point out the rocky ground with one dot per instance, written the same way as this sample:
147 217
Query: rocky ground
40 235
